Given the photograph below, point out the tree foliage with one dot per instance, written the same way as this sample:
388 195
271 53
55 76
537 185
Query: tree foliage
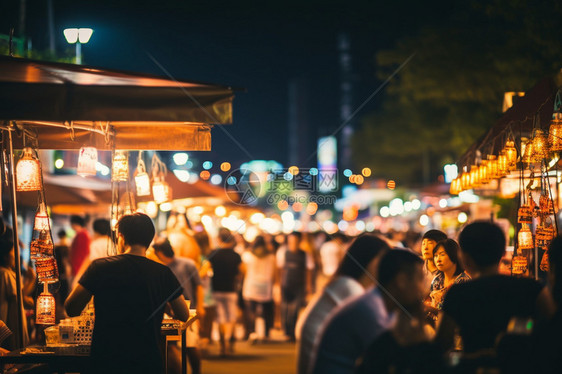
452 89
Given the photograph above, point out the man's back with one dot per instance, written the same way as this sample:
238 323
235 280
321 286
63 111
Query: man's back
130 293
348 332
483 307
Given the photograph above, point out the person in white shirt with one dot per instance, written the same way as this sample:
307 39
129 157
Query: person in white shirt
257 290
101 245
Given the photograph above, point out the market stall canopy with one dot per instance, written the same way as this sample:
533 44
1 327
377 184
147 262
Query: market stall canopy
63 103
532 110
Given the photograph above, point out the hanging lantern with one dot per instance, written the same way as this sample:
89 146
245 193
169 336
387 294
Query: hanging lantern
87 161
120 167
41 219
503 169
28 172
545 205
45 312
544 235
46 269
474 176
519 264
511 155
42 247
142 181
527 151
544 262
492 167
555 133
525 238
161 191
465 181
525 214
455 187
540 146
483 171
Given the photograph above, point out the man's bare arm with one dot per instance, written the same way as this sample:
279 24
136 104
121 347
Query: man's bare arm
77 301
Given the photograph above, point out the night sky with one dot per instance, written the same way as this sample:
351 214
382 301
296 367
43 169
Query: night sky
258 46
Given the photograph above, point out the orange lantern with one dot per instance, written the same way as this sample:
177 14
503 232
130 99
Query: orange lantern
540 146
545 266
503 168
455 187
511 155
87 161
525 238
493 167
28 172
474 176
46 269
45 312
41 219
528 151
41 247
483 172
142 181
120 167
161 191
555 133
519 264
465 181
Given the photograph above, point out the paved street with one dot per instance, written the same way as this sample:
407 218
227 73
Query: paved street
272 358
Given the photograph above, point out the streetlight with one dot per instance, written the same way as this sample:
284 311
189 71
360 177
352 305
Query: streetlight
78 36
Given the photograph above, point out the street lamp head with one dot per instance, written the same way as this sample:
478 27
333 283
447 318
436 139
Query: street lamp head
81 35
71 35
84 35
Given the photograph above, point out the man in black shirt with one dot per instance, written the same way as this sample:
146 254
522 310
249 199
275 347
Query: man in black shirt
227 270
483 307
130 292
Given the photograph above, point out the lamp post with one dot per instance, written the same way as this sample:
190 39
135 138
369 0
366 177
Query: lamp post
78 37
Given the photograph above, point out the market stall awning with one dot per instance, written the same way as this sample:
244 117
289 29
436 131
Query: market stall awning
68 106
532 110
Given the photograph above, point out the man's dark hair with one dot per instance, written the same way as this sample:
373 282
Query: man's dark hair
296 234
137 229
226 237
435 235
451 248
360 253
163 246
484 242
102 227
397 261
78 220
61 234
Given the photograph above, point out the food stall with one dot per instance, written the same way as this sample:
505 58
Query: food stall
47 105
518 158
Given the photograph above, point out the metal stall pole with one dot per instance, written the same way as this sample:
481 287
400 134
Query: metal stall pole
19 297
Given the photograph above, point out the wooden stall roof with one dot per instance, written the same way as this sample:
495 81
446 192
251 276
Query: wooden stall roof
63 103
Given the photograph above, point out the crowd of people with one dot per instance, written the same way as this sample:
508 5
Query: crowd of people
368 305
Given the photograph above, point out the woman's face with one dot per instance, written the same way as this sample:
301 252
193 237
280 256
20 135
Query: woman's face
442 261
427 246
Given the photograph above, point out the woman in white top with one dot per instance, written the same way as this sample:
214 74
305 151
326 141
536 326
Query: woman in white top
257 290
355 273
